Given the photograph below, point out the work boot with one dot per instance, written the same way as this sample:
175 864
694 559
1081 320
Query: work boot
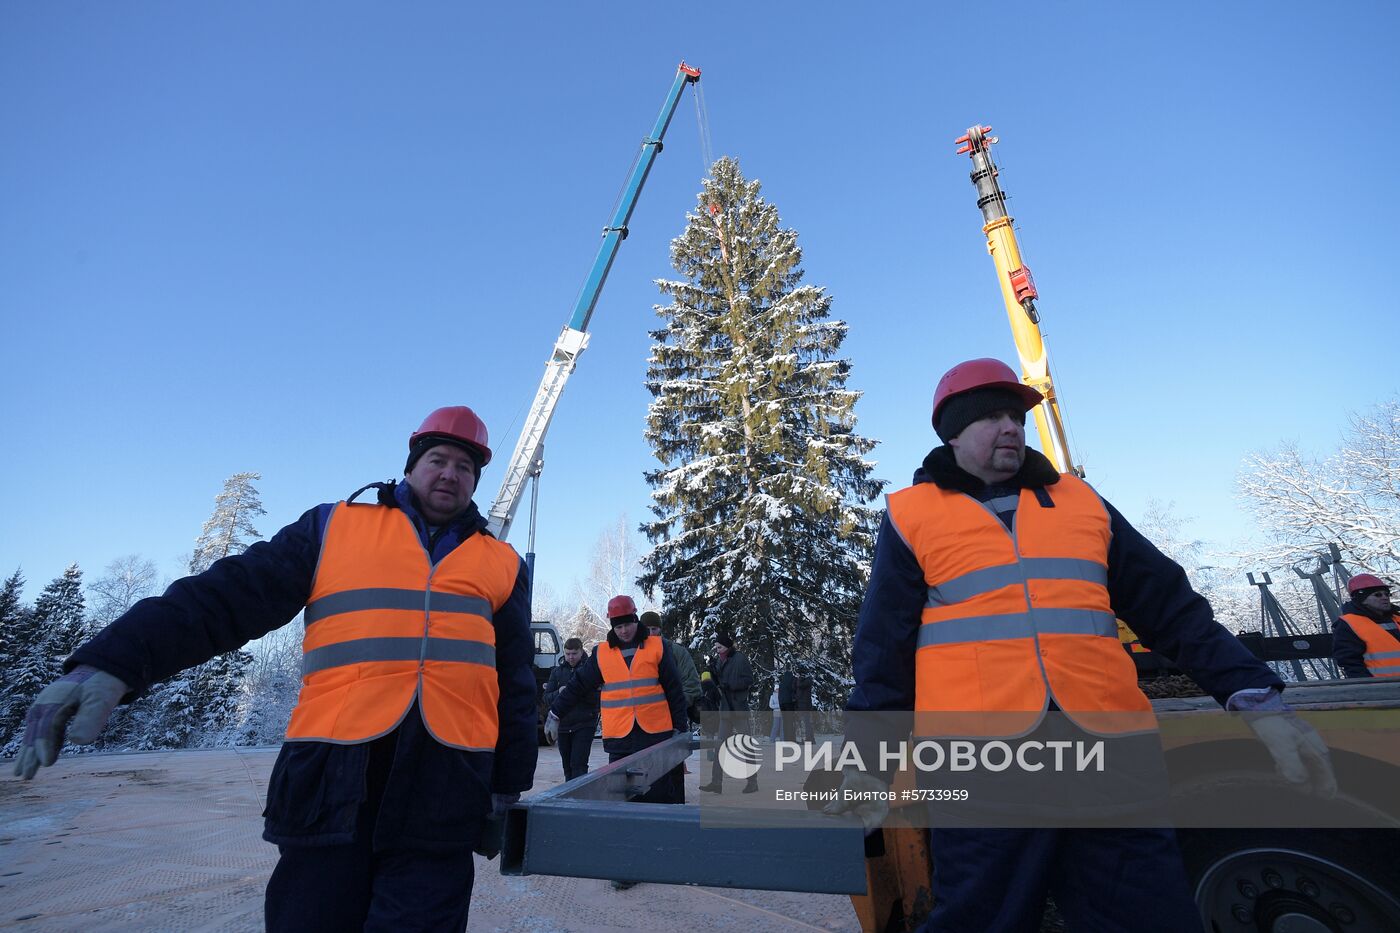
714 787
623 885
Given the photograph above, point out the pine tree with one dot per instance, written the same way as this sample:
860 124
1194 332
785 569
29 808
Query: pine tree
17 634
62 611
43 638
230 529
762 525
196 706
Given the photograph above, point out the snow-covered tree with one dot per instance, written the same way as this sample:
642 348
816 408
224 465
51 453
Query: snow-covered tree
125 581
270 685
612 570
1352 497
17 637
61 612
42 638
584 624
762 527
199 706
1217 575
218 690
230 529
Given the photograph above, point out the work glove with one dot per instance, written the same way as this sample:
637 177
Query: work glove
493 829
551 727
1300 756
864 795
86 697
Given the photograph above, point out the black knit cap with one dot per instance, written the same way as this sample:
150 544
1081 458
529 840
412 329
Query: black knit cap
725 640
428 441
966 407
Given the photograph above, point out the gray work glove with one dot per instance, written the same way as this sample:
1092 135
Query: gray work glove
1300 756
86 697
872 810
551 727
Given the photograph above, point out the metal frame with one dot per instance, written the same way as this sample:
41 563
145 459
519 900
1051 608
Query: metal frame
591 828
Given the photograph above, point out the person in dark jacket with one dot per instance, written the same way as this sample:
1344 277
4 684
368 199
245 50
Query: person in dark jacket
394 758
577 728
685 664
795 700
1366 637
979 501
733 679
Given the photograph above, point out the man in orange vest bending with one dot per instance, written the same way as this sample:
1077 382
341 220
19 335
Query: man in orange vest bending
416 718
1366 639
994 590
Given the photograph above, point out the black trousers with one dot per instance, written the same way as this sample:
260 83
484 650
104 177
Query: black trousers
352 887
337 889
995 880
724 731
574 748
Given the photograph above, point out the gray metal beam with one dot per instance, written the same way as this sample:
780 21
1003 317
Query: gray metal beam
589 828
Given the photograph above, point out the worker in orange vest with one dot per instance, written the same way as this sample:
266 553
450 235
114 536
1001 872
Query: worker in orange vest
641 697
992 598
416 719
1366 638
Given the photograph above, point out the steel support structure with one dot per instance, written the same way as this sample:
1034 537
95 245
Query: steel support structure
1275 620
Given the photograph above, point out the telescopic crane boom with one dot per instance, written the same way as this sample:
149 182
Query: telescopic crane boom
526 462
1019 294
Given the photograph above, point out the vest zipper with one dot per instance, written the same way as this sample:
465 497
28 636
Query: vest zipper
1026 593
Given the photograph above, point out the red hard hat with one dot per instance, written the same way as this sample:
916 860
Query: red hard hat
1364 581
981 374
620 606
459 423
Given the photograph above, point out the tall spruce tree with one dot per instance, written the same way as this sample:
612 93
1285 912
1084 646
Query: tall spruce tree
43 637
17 637
61 612
762 524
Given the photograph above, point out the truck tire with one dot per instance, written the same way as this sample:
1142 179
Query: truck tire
1294 880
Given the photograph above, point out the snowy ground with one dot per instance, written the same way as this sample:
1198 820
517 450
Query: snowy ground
170 841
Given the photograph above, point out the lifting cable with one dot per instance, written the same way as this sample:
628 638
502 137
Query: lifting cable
702 120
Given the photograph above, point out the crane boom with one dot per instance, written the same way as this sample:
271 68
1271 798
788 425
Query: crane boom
526 461
1019 295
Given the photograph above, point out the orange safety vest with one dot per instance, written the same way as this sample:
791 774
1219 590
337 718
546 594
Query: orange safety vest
385 627
1382 643
1015 618
632 694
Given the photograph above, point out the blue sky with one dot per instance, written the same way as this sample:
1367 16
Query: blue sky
272 237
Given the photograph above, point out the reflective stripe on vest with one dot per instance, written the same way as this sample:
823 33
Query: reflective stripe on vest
1015 619
1382 646
385 627
632 695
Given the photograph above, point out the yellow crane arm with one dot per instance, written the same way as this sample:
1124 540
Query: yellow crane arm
1019 294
